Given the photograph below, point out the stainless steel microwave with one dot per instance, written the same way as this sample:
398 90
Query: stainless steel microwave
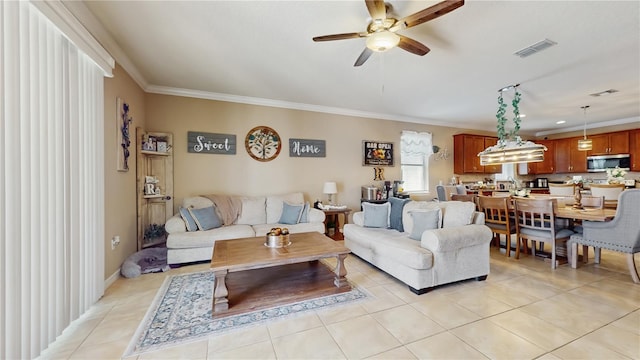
601 163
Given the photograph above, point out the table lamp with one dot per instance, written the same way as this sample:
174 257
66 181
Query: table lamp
330 188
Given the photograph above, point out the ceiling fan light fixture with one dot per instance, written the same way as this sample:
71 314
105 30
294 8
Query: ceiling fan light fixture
382 41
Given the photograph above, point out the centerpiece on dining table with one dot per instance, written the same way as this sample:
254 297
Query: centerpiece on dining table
615 175
579 185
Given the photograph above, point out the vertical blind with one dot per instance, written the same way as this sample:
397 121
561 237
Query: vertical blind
52 181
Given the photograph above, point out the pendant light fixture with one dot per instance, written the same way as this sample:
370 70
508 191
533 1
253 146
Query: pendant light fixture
585 144
510 147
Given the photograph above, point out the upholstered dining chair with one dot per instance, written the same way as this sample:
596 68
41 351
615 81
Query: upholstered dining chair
444 191
620 234
497 216
609 191
562 189
535 221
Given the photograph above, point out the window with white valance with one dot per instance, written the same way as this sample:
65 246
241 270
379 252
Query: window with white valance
415 149
52 178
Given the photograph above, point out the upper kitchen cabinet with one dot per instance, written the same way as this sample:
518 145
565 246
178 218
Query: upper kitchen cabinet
568 159
491 169
610 143
548 165
634 149
465 154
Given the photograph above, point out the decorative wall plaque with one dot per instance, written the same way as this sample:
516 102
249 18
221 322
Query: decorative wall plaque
377 153
208 143
307 148
263 143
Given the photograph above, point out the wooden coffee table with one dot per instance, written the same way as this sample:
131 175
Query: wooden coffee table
247 254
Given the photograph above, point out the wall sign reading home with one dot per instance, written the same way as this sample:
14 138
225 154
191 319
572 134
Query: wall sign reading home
377 153
207 143
307 148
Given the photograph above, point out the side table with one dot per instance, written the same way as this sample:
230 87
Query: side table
332 221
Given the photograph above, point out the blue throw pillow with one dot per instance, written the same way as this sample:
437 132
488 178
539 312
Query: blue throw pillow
395 216
376 215
423 220
188 219
290 213
206 218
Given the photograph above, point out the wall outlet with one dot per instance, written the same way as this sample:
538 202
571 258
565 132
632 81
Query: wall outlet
115 241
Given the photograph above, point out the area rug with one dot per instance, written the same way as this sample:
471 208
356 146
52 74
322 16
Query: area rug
181 313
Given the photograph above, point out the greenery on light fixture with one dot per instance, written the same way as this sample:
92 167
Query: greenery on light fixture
502 120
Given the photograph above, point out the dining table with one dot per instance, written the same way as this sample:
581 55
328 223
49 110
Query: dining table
589 214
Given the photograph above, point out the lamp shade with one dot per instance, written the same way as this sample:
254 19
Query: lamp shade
330 187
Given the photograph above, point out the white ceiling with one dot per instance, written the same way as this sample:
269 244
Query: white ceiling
261 52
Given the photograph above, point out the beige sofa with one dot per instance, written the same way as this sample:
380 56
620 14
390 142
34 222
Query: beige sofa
458 249
257 216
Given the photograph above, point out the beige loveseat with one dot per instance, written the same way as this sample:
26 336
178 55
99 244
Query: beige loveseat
456 248
257 215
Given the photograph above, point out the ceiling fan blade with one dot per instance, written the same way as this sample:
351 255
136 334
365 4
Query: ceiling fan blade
431 12
412 46
339 36
376 9
364 56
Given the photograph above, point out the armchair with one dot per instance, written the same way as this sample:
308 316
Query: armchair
620 234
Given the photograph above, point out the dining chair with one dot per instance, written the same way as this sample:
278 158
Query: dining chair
562 189
501 194
536 221
465 197
444 191
609 191
497 216
621 234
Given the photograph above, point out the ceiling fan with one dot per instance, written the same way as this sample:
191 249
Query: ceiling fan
381 32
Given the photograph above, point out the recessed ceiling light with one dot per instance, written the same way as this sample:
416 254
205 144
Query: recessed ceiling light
605 93
560 122
523 115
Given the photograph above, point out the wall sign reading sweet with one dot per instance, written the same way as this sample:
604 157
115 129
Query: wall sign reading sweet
307 148
377 153
208 143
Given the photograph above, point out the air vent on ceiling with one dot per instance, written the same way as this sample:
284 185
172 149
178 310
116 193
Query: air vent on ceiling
535 48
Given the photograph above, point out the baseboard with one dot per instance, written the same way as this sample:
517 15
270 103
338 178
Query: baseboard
111 279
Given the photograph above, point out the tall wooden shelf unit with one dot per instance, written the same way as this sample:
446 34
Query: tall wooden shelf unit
153 162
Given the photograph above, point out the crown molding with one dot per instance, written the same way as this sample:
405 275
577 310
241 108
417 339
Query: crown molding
95 27
73 29
597 125
164 90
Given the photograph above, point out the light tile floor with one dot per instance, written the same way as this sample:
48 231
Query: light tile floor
524 310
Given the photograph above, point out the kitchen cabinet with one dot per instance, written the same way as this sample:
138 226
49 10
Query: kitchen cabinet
568 159
634 149
154 186
610 143
548 165
465 154
491 169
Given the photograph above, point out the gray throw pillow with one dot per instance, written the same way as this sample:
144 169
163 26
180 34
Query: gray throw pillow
290 213
376 215
395 216
423 220
188 219
206 218
304 214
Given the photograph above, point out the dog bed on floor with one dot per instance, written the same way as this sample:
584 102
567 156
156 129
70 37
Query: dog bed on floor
145 261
